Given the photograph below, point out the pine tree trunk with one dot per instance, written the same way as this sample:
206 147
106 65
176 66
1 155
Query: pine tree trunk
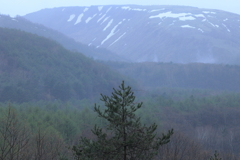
124 132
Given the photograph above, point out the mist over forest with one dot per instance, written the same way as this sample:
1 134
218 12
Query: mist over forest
181 62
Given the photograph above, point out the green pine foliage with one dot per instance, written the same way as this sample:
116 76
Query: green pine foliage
215 156
124 137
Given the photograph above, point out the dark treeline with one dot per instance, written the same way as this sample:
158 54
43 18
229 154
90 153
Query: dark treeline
196 75
47 130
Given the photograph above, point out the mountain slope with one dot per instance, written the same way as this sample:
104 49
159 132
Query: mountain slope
69 43
151 33
152 75
36 68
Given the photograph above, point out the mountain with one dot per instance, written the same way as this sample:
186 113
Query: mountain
178 34
69 43
36 68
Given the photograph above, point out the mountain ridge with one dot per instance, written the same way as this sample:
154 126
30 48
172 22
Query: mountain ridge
23 24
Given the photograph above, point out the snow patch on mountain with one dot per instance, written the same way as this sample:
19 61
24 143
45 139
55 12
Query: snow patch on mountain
200 30
133 9
108 9
169 15
108 25
138 9
188 18
100 8
208 12
180 16
226 27
117 39
85 9
187 26
199 15
101 18
14 19
90 18
71 17
156 10
111 33
105 20
126 8
79 19
212 24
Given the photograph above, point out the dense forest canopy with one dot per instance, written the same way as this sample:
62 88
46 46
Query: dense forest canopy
36 68
201 124
194 75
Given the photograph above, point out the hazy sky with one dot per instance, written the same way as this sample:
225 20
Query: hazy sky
22 7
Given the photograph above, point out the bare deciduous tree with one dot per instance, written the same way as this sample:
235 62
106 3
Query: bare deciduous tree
14 137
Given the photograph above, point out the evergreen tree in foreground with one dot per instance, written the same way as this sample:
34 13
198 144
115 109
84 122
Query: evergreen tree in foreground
125 137
216 154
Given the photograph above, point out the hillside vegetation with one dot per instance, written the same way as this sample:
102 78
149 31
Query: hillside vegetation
36 68
201 126
169 75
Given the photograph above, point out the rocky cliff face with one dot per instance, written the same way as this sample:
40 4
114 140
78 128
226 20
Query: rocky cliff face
151 33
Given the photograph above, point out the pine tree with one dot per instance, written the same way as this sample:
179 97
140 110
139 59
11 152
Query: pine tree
215 156
125 137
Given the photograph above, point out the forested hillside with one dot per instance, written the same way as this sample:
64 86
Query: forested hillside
36 68
170 75
47 130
